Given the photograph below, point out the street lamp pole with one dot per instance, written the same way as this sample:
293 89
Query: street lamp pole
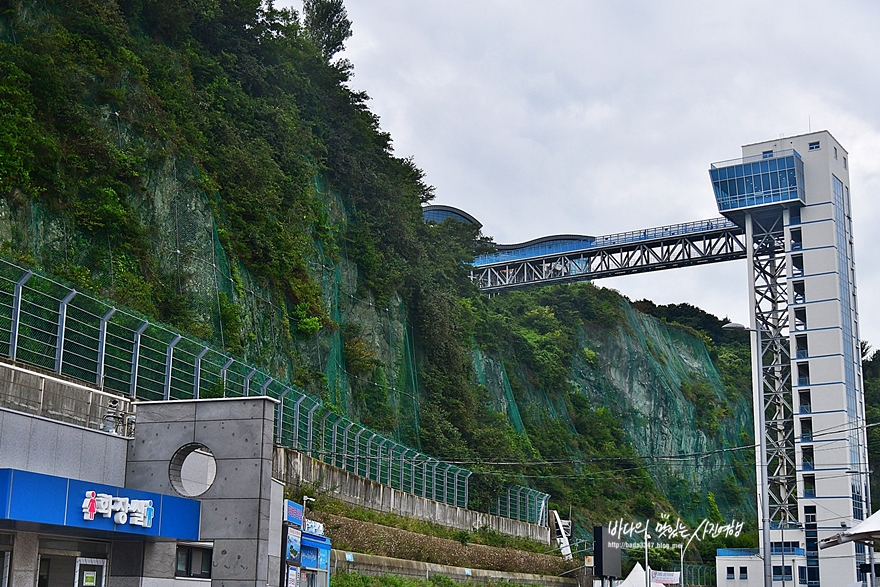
306 500
761 439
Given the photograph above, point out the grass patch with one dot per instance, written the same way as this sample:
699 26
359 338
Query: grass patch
485 535
343 579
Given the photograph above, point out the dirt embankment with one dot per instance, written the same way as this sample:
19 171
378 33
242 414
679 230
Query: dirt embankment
367 538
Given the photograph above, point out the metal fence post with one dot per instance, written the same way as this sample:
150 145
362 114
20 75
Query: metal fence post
247 382
332 451
197 373
335 438
367 451
402 465
434 481
455 491
357 451
518 505
412 473
467 488
265 386
223 371
279 417
425 478
324 436
446 484
391 463
135 359
16 314
345 454
169 359
62 325
102 346
295 441
378 460
311 429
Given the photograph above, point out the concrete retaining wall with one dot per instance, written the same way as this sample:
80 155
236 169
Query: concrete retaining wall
367 564
293 468
31 392
41 445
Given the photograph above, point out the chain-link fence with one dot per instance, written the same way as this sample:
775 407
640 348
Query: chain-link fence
698 575
48 325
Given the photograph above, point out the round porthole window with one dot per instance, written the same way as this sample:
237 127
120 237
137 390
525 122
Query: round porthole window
192 470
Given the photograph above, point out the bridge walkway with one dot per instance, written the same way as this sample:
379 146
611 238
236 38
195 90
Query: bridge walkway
639 251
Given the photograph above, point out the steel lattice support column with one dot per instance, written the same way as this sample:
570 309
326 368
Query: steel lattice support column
768 268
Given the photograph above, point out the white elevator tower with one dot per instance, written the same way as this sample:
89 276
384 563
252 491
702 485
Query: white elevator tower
792 197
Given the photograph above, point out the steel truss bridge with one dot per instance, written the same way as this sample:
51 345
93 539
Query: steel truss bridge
640 251
760 240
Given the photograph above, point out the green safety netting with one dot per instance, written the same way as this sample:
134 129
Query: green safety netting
46 324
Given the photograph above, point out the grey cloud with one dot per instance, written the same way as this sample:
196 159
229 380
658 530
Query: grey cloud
598 117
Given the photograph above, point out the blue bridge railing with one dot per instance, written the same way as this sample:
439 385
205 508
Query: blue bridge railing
551 247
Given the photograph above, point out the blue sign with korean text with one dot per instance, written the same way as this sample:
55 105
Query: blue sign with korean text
293 513
47 499
309 557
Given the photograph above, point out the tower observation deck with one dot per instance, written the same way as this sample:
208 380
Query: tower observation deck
786 210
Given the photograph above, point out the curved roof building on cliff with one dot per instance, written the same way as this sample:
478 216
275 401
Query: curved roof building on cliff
557 243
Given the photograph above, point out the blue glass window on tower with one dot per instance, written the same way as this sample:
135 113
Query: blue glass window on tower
757 181
814 146
850 342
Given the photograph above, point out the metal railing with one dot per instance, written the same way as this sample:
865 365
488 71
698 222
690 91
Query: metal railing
48 325
63 401
608 240
755 158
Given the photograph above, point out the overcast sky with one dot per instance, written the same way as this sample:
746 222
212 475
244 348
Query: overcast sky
594 117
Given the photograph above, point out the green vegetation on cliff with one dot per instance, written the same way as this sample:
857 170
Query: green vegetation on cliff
207 163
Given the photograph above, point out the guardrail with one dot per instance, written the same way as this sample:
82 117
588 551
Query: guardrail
50 326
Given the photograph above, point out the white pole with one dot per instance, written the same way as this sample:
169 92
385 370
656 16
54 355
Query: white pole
647 574
681 568
762 445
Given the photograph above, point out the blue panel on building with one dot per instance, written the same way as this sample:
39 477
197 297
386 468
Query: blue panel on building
315 552
315 541
5 483
46 499
180 517
37 498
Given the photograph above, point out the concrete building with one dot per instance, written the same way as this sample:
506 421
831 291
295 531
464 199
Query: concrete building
189 498
792 195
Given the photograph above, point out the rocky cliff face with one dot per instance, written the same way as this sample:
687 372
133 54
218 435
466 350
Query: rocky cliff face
645 372
216 172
